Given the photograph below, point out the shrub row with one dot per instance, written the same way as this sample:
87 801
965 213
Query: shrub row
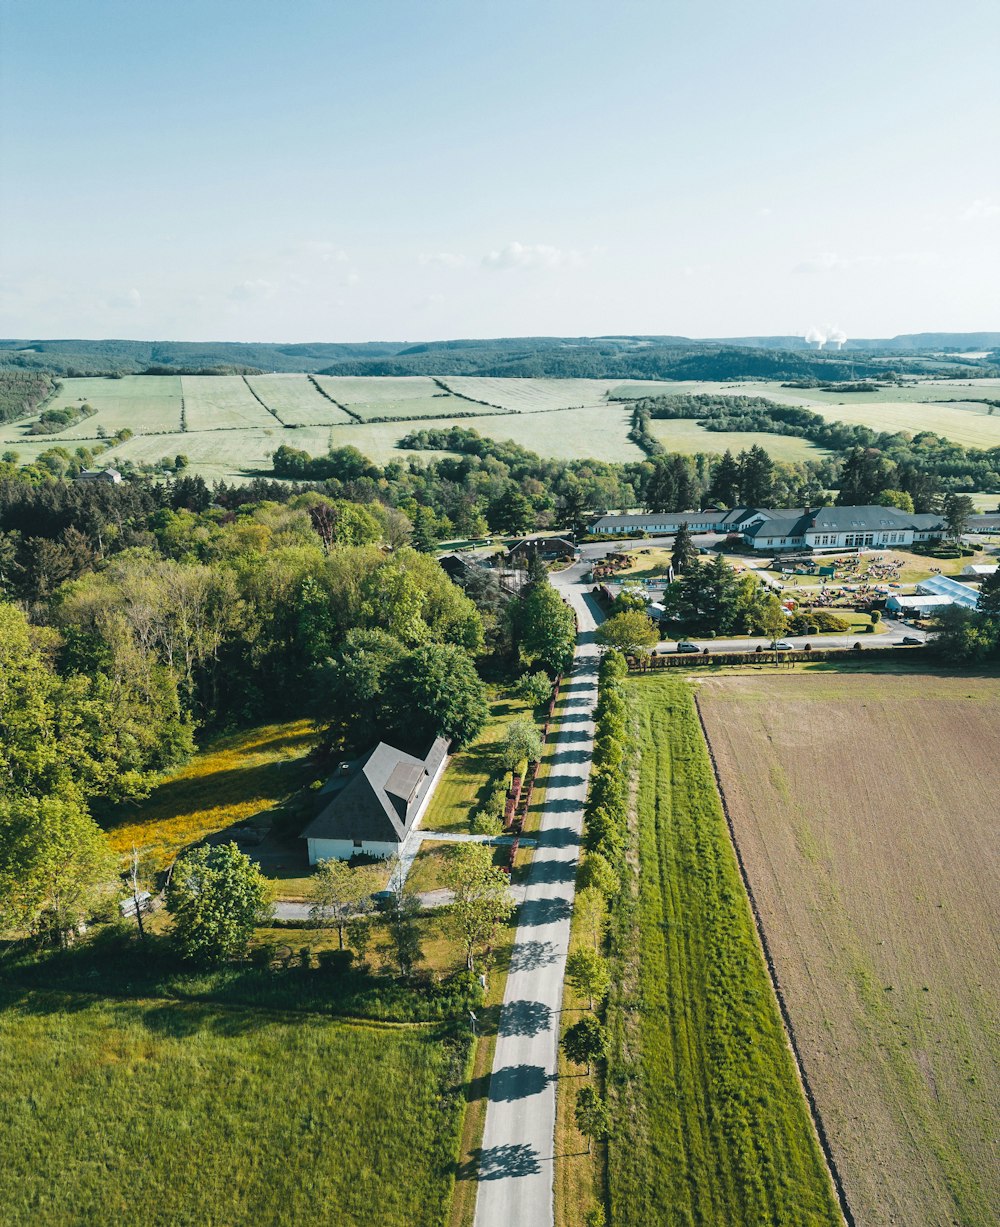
606 811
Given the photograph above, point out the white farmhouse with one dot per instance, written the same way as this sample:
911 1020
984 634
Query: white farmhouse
375 803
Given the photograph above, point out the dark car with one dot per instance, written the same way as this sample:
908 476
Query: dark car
911 641
686 646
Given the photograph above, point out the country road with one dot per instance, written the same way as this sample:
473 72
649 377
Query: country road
516 1161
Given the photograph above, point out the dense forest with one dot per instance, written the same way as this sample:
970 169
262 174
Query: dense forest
525 357
21 392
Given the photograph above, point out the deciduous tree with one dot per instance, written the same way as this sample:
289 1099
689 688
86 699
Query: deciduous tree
482 896
630 633
217 896
340 891
592 1116
588 972
586 1041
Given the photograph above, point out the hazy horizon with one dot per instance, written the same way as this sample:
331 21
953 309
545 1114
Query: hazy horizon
250 173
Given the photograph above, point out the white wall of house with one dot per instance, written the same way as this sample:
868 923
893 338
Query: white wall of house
344 849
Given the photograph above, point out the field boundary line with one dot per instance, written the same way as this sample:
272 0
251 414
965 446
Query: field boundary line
814 1112
343 408
471 399
263 403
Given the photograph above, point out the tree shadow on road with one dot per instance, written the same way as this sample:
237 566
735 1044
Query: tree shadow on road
543 911
528 956
524 1017
496 1162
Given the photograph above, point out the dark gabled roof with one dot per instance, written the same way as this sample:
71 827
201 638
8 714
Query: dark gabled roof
538 543
989 519
381 796
796 523
454 565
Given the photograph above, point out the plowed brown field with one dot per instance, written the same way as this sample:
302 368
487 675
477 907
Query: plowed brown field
866 810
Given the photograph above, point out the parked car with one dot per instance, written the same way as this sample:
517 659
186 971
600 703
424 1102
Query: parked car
784 646
911 641
686 646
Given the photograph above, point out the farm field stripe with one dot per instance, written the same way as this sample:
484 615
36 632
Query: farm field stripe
340 405
260 400
786 1019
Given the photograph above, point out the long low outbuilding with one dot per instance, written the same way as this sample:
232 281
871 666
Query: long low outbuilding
791 528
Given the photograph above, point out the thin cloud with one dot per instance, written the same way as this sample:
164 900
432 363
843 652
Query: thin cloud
129 301
256 287
532 256
981 210
824 262
447 259
323 252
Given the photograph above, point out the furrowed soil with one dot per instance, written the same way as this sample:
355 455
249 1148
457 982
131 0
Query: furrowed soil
865 810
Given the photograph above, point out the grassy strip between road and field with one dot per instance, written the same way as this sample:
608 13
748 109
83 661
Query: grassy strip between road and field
711 1125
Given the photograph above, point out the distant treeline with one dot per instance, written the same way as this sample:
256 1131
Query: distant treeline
924 453
521 357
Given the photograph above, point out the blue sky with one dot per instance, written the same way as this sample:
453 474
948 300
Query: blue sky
411 170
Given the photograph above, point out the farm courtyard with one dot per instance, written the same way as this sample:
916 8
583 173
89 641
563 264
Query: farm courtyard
865 810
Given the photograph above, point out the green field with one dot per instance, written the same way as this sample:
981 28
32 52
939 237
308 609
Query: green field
171 1114
296 400
231 434
911 407
712 1125
222 402
143 403
531 395
682 435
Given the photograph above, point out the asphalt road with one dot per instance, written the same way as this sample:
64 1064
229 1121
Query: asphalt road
517 1157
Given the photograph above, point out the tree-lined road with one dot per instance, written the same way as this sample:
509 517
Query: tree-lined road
517 1157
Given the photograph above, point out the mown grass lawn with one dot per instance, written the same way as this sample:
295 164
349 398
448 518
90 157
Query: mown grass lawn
167 1113
469 772
711 1122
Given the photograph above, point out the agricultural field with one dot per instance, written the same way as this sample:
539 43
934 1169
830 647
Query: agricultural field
227 433
683 435
963 422
186 1113
864 806
531 395
222 402
910 407
146 404
565 434
404 398
229 455
296 400
712 1124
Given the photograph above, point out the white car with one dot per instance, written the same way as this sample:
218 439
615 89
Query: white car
783 645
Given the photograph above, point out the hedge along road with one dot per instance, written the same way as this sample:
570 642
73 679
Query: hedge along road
516 1163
